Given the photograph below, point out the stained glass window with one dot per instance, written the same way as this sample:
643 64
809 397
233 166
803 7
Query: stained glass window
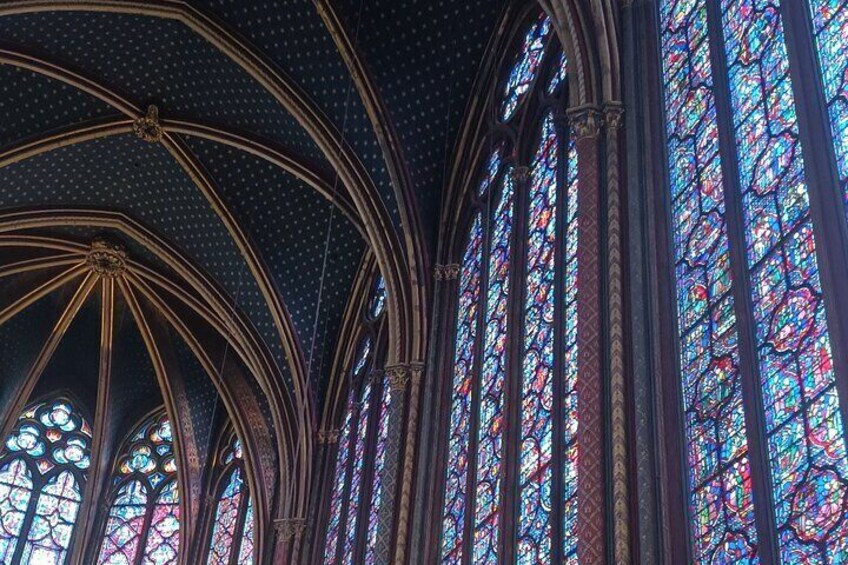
526 66
144 517
357 490
735 55
378 297
43 469
532 211
233 518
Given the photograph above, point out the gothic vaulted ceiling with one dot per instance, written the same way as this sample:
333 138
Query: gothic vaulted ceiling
235 169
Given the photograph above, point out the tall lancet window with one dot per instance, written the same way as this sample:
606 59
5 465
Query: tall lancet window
143 526
358 489
43 469
231 539
757 139
511 459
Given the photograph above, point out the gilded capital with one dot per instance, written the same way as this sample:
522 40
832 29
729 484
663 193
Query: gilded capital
398 377
585 121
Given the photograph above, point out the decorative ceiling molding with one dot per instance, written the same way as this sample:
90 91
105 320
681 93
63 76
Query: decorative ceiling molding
375 218
391 146
263 470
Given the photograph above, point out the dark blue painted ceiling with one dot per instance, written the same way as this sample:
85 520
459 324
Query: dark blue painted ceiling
31 104
126 174
150 59
288 222
423 56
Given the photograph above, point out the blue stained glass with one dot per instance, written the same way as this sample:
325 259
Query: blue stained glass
378 298
245 556
336 498
489 476
830 31
357 472
379 469
569 363
526 67
536 450
15 494
454 510
362 355
807 456
721 504
124 527
53 523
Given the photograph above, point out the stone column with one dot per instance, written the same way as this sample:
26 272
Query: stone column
613 122
585 122
412 375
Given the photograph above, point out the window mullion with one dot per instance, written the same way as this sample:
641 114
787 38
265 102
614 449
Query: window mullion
826 208
148 520
239 526
510 493
366 490
353 408
37 486
557 423
486 221
749 368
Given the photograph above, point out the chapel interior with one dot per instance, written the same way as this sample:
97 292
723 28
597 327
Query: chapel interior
455 282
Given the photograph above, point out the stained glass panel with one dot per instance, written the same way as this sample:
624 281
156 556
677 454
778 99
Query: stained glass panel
336 498
15 493
830 30
245 556
379 468
378 297
535 472
453 515
526 66
569 364
163 537
809 469
49 534
489 475
559 75
362 355
226 520
124 527
356 476
720 496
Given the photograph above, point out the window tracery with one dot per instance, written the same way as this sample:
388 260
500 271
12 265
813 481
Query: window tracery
43 470
511 434
231 540
143 525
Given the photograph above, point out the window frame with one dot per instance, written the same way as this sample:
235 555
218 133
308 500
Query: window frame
375 329
519 138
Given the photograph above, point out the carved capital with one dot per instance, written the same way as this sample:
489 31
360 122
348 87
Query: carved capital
148 127
614 115
398 377
585 121
416 368
447 272
290 528
106 258
328 436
